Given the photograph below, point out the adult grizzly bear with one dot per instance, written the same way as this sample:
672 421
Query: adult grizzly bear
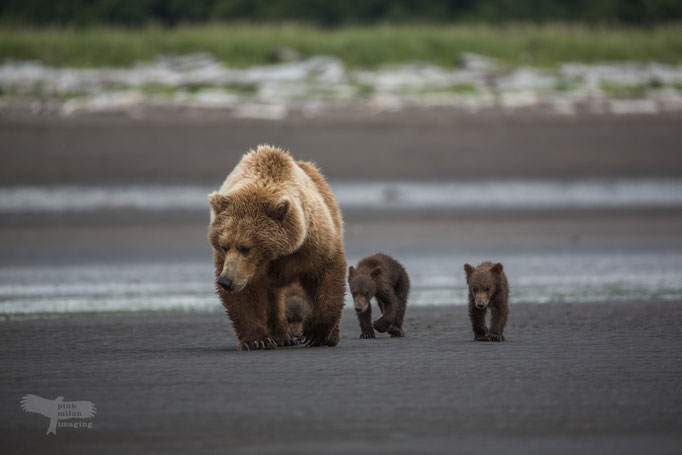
384 278
488 288
274 221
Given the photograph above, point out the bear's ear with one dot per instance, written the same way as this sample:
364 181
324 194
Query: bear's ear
469 271
497 268
219 203
279 210
376 272
351 272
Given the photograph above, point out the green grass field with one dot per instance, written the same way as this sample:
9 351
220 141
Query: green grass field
243 45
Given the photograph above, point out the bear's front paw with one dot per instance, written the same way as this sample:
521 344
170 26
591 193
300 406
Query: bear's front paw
366 335
481 338
494 336
266 343
396 332
381 325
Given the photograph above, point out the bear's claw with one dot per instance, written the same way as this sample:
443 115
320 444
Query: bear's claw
481 338
366 335
311 341
314 341
492 336
285 343
268 343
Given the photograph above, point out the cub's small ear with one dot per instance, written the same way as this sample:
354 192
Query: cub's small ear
351 272
469 270
497 268
375 273
219 203
279 210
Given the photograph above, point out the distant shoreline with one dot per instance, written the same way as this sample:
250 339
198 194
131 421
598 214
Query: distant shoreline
324 85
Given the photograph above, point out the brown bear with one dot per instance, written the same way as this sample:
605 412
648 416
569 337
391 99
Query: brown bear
384 278
274 221
296 309
488 288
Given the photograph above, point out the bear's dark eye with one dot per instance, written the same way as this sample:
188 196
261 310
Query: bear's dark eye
223 249
475 290
244 249
487 289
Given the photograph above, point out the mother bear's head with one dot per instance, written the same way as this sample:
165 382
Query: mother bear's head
249 228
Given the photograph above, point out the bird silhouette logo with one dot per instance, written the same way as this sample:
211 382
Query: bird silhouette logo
58 409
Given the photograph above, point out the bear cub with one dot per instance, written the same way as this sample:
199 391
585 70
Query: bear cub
384 278
296 310
488 288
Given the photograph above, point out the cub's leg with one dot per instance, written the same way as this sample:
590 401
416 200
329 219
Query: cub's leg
388 308
396 327
478 323
498 320
365 318
401 291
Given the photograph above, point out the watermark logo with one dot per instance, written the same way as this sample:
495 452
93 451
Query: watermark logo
58 409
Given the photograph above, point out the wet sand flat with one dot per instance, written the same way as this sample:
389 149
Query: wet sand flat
135 238
355 145
590 378
98 261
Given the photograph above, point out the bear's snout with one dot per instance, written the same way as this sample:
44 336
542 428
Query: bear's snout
480 304
225 283
296 329
360 305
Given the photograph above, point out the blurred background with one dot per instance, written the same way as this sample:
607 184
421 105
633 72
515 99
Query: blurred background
543 134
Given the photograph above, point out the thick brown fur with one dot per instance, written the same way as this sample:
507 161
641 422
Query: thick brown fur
384 278
488 288
274 222
296 309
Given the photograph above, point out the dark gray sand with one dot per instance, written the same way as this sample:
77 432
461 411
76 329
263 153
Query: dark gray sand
572 378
